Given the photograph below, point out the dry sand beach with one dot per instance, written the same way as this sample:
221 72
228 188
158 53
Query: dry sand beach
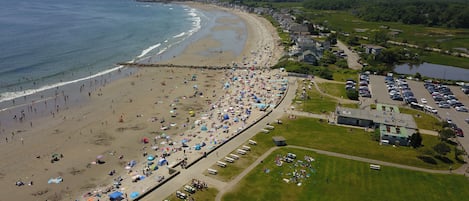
147 113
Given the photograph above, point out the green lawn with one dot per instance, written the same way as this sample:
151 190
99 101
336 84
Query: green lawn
316 102
314 133
422 119
334 89
208 194
344 74
334 179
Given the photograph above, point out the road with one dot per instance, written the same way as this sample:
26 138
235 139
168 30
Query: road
352 57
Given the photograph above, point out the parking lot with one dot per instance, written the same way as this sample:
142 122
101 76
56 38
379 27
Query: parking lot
380 93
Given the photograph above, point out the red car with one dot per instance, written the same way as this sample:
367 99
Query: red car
459 132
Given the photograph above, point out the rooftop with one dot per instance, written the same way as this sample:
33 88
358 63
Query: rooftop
381 117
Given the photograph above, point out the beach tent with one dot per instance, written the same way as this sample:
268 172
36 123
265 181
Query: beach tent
197 147
116 195
145 140
162 162
226 117
203 128
150 158
134 195
132 163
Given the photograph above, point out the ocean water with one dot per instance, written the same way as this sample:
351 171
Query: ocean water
50 43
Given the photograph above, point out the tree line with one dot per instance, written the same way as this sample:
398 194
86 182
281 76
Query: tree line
449 13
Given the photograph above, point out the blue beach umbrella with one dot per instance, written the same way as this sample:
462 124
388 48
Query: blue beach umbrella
134 195
115 195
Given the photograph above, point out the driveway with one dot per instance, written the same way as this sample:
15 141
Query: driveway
352 56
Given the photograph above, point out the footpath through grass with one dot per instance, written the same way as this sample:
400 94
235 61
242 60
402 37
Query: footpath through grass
330 178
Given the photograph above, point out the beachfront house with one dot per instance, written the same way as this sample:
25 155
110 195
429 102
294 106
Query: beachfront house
309 57
372 49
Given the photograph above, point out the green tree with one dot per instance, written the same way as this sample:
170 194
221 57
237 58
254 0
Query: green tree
328 58
446 133
416 140
379 37
418 76
442 148
342 63
352 94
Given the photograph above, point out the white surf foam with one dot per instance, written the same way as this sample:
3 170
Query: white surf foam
149 49
6 96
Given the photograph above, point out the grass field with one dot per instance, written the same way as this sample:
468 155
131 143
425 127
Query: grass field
443 59
344 74
314 133
334 89
316 103
422 119
334 179
445 38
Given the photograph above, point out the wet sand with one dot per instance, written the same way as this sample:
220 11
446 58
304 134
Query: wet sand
115 118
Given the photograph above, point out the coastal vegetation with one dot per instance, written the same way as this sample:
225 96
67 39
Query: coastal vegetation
331 178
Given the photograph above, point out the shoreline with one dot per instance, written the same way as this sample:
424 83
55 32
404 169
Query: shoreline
142 100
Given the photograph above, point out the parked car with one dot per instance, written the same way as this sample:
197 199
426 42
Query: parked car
461 109
443 105
430 109
467 120
423 100
459 132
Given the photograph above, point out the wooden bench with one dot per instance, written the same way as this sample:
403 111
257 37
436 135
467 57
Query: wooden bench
229 160
212 171
221 164
234 156
375 167
242 152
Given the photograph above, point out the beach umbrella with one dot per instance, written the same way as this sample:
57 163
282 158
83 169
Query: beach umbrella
145 140
150 158
132 163
134 195
203 128
115 195
99 157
